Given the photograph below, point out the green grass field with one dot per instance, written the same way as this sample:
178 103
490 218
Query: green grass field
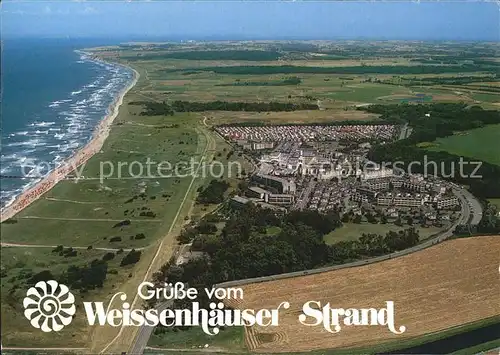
494 98
480 143
17 264
230 338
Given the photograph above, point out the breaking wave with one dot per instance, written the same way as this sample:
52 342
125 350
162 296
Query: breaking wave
27 153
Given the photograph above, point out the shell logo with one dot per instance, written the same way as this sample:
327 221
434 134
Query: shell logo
49 306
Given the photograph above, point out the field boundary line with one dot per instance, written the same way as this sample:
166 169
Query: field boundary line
20 245
91 219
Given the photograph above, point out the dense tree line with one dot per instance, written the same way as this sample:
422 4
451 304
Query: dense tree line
454 80
213 193
248 55
484 88
166 109
284 82
187 106
87 277
444 120
360 69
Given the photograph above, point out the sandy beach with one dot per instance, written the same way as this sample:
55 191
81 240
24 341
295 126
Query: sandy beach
81 156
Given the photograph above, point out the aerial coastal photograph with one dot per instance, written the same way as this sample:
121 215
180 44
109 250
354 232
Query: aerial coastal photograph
250 177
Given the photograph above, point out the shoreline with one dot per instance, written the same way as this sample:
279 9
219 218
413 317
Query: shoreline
78 158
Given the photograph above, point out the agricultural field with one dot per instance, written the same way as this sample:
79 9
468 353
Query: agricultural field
480 143
337 77
435 289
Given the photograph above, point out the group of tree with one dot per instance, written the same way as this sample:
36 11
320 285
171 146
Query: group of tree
86 277
213 193
132 257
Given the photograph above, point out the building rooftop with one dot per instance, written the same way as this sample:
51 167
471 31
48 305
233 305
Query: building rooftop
240 199
259 190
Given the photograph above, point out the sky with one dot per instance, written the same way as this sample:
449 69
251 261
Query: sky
252 19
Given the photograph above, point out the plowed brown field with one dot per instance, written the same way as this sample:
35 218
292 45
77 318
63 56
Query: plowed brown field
451 284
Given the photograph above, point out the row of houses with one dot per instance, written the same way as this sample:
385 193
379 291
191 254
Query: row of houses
274 133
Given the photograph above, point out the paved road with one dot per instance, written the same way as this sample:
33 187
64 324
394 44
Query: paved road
405 132
145 332
304 196
475 207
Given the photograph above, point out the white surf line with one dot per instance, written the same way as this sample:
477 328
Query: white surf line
78 158
161 244
91 219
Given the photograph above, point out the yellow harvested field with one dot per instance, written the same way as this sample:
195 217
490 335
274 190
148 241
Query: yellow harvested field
448 285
